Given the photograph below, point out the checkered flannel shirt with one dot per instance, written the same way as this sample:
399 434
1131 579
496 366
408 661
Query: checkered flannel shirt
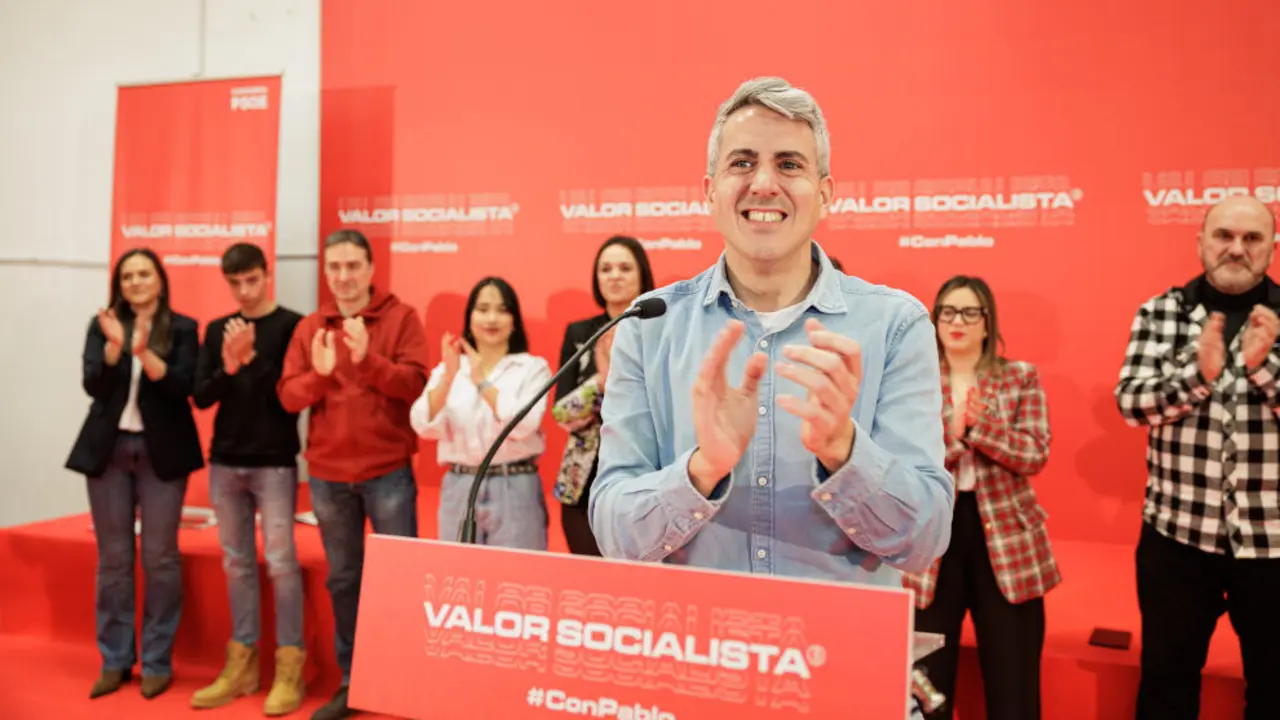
1213 451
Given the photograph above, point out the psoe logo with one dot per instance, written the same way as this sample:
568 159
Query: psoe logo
248 98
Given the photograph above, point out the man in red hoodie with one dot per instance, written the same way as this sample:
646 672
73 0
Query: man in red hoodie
358 362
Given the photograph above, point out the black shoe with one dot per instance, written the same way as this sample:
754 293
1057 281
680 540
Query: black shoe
335 709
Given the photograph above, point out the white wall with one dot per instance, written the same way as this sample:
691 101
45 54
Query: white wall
60 63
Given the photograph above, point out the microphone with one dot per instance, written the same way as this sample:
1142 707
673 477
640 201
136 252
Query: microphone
645 309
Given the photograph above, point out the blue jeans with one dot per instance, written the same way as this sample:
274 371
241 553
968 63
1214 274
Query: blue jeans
389 502
511 510
237 493
130 486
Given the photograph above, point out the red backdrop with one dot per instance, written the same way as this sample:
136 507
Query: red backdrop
1062 151
195 172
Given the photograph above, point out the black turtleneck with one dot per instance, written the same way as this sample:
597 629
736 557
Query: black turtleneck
1235 307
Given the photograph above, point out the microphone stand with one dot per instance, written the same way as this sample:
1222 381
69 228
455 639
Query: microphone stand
467 533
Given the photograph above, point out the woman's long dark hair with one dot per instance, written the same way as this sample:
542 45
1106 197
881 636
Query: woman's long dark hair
518 342
161 339
642 264
993 344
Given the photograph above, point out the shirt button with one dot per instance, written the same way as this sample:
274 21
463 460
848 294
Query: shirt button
667 548
762 481
697 516
762 553
851 531
762 410
826 497
764 343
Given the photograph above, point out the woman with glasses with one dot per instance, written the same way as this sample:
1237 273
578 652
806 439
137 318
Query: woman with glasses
999 564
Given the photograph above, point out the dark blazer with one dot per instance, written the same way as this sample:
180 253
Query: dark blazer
575 335
173 443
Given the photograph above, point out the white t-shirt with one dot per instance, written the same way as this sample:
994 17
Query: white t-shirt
131 418
967 478
779 320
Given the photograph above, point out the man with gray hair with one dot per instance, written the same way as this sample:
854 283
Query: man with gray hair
827 460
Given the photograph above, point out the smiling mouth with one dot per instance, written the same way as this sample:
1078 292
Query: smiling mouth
764 216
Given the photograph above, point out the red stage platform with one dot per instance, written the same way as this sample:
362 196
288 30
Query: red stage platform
48 658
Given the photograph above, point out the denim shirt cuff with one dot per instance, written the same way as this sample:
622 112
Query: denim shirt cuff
684 509
841 492
688 506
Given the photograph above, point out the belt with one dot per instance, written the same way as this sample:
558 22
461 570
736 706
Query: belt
520 467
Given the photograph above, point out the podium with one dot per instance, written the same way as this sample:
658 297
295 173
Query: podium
447 630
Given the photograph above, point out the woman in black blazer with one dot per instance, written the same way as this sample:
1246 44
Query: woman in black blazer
137 447
619 275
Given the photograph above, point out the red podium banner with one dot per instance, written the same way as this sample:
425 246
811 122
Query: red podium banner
195 172
464 631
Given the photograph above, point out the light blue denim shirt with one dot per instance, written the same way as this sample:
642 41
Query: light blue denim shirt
887 510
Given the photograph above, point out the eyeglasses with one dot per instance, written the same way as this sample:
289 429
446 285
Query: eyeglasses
968 315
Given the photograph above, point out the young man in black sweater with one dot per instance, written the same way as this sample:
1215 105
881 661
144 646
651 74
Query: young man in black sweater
253 469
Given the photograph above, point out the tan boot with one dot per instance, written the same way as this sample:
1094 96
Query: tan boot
109 682
289 688
239 677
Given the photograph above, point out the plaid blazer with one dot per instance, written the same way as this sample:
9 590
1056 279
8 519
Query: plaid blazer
1010 444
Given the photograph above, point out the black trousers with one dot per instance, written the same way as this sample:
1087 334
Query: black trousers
1010 637
1182 591
576 523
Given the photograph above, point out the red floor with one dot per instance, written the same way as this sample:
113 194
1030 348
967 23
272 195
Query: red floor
48 659
40 679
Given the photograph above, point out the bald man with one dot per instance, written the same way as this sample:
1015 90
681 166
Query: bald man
1200 373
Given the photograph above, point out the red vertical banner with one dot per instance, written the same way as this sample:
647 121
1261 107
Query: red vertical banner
195 172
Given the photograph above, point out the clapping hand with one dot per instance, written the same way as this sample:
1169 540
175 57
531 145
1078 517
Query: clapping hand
1259 336
974 407
237 344
724 417
473 360
111 327
356 337
830 370
450 354
324 357
1211 350
141 335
